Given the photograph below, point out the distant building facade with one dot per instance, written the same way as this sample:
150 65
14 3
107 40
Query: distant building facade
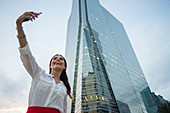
149 100
152 101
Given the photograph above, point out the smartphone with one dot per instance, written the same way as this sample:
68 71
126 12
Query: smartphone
27 19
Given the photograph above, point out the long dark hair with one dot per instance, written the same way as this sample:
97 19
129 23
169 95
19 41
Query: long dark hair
63 76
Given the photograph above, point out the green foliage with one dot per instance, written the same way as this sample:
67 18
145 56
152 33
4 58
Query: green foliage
165 108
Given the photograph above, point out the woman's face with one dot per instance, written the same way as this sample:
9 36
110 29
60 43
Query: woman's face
57 63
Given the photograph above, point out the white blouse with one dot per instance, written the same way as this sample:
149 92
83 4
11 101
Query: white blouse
44 91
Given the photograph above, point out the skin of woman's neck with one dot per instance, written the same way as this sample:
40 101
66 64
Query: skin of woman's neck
56 75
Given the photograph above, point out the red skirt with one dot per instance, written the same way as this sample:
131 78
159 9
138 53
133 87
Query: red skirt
36 109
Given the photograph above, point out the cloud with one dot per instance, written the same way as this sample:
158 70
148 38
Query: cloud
13 92
160 77
159 57
152 49
10 112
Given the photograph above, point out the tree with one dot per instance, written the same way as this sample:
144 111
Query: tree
165 108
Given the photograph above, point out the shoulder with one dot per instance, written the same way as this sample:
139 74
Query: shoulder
63 87
44 76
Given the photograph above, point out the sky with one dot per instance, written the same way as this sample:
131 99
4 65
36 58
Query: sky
146 22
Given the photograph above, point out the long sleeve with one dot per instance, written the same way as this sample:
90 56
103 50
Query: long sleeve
65 104
29 61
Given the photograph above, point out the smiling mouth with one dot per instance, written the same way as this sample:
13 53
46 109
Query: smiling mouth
57 63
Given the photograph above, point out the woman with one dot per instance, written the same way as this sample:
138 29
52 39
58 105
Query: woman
48 93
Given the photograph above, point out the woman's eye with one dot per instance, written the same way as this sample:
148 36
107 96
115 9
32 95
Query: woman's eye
61 58
57 58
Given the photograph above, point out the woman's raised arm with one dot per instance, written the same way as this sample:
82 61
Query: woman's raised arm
27 58
21 36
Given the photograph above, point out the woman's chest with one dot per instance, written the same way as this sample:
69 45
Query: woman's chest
47 85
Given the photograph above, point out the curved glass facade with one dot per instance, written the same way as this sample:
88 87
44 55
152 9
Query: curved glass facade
104 72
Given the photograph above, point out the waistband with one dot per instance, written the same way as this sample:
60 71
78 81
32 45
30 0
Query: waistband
37 109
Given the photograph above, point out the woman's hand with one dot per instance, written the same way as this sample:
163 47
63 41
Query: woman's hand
30 15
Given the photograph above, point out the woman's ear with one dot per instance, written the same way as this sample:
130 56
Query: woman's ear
64 68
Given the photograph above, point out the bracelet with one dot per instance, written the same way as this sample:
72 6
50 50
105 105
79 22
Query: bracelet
21 29
19 37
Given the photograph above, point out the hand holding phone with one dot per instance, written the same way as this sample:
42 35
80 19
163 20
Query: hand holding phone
27 19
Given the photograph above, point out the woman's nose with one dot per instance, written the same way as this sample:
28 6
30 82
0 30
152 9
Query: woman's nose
57 59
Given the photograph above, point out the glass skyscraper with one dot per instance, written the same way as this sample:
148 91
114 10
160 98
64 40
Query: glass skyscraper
103 70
